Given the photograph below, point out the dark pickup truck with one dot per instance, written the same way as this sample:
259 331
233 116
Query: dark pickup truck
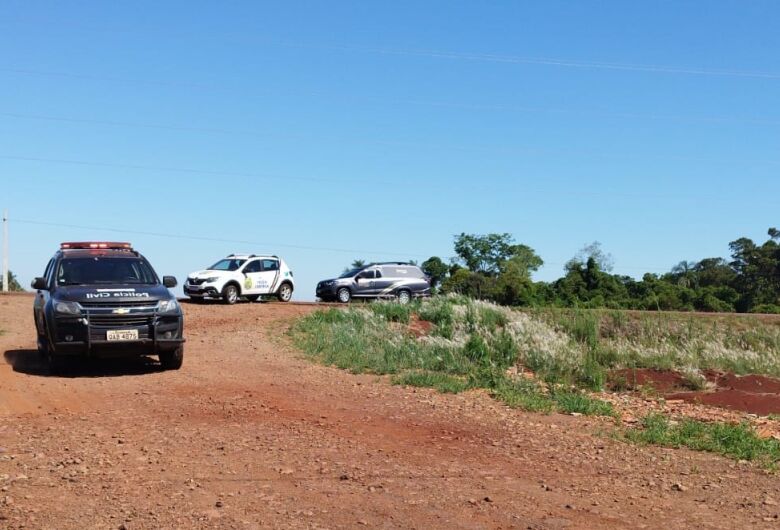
101 299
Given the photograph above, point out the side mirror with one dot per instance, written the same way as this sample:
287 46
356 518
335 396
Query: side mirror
39 284
169 281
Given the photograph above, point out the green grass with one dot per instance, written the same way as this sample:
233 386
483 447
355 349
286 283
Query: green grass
737 441
524 395
471 347
743 344
563 347
579 403
444 383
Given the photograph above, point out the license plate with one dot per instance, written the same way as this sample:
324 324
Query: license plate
122 334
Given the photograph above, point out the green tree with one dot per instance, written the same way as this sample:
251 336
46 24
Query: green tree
604 260
356 264
514 286
13 283
484 253
436 269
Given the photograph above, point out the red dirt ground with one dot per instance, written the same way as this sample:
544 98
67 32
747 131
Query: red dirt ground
662 381
249 434
755 394
419 328
761 404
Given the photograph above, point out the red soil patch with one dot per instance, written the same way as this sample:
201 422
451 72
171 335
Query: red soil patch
660 380
761 404
756 384
419 328
755 394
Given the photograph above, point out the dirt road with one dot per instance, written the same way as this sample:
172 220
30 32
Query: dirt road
248 434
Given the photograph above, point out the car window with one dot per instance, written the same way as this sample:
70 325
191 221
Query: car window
88 271
395 271
252 266
369 274
48 269
270 265
350 273
416 272
227 265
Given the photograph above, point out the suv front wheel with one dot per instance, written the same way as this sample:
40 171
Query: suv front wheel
230 294
344 295
172 360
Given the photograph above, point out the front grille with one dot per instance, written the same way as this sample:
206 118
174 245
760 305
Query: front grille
119 303
99 325
196 281
120 320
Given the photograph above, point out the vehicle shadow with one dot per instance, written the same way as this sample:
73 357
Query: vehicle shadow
29 362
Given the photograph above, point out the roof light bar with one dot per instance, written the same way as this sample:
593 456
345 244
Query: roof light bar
114 245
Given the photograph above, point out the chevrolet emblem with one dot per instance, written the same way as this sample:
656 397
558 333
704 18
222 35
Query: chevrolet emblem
121 311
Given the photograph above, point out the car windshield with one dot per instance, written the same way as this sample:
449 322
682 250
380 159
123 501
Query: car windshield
350 273
101 270
227 265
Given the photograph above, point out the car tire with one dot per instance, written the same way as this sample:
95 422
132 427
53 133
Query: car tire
172 360
43 347
404 297
55 364
344 295
253 297
230 294
285 292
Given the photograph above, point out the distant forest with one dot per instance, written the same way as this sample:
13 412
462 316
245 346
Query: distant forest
493 267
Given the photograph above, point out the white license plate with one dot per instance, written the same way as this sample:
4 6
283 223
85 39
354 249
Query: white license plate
122 334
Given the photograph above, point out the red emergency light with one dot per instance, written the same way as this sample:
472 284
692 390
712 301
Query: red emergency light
96 245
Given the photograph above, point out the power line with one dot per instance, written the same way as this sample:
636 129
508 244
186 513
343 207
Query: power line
265 244
263 134
214 239
418 102
550 61
179 170
474 185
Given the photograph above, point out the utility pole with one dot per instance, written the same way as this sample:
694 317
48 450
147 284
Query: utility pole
5 251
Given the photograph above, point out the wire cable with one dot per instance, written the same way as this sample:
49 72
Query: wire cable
265 244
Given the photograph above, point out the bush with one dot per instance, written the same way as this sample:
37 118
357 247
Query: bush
771 309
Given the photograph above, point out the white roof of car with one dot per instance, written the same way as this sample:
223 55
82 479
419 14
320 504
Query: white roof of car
248 256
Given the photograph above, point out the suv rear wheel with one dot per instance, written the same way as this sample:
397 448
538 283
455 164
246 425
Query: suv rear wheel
230 294
285 292
404 297
344 295
172 360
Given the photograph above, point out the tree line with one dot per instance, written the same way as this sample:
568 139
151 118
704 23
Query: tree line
494 267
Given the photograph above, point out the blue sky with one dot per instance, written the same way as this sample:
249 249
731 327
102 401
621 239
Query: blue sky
383 129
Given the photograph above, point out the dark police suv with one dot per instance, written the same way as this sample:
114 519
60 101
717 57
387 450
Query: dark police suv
402 281
105 300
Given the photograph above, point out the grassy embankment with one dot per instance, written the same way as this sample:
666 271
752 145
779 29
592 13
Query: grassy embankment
479 345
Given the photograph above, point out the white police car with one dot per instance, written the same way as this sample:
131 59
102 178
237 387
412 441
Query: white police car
237 275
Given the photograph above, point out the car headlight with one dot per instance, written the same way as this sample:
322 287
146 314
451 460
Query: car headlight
212 279
168 306
329 282
67 308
